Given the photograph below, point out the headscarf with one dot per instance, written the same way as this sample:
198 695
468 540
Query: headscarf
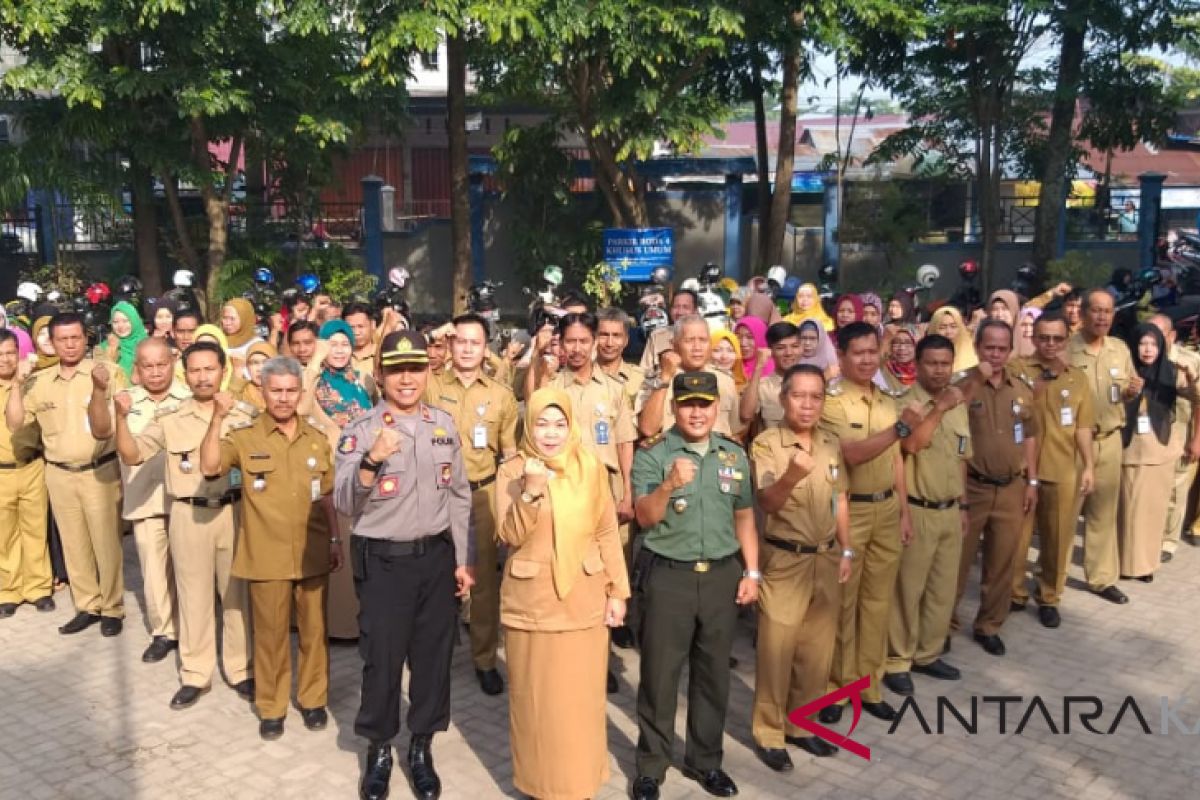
338 391
826 355
905 373
815 311
876 302
739 371
910 309
250 393
1023 348
1158 392
215 332
853 300
578 490
246 332
1009 298
43 360
127 345
758 331
964 348
761 306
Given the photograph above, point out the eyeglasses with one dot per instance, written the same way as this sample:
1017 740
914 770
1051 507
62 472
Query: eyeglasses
1046 338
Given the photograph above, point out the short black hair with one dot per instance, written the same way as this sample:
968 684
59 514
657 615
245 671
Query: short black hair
8 336
574 299
1073 295
934 341
694 295
182 313
855 330
302 325
780 331
1049 318
350 309
204 347
1090 293
64 318
586 318
474 319
800 369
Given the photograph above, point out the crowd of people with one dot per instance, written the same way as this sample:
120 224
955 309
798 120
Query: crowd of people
829 477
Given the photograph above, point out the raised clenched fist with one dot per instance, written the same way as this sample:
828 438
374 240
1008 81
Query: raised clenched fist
536 476
670 363
122 403
222 404
949 397
100 377
800 465
912 415
683 470
386 445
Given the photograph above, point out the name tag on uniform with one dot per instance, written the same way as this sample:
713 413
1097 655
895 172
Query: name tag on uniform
601 432
962 445
479 437
1143 423
443 478
1066 417
316 489
1114 393
1018 432
235 478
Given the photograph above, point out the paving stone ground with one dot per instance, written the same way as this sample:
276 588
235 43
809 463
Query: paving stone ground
82 717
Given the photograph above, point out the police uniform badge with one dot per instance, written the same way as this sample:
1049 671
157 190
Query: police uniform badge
347 444
388 419
389 486
442 436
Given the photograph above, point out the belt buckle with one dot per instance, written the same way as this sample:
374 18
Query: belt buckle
702 566
878 497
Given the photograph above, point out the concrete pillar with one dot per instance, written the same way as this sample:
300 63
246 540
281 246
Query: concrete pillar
387 207
733 227
372 241
1149 209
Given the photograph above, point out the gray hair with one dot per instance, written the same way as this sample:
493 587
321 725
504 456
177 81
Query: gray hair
613 315
281 366
684 321
149 343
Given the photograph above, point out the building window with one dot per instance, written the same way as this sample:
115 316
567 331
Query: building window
429 61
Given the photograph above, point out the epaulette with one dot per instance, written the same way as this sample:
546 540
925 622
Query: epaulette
960 376
834 387
249 409
894 393
646 444
1025 379
313 421
165 409
240 425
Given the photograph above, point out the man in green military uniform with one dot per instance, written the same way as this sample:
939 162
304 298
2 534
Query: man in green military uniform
693 497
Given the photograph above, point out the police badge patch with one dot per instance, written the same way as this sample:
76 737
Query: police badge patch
347 444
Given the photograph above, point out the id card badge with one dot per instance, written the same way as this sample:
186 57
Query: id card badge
1114 393
316 489
601 432
1018 432
1143 423
235 478
1066 417
479 437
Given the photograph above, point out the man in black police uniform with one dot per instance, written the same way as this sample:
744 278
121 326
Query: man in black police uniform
400 475
694 499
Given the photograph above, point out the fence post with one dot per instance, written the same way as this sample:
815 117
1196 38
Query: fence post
478 267
830 250
733 226
43 215
372 203
1149 209
388 207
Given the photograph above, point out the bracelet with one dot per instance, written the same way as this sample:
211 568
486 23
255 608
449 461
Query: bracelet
335 540
753 575
1034 482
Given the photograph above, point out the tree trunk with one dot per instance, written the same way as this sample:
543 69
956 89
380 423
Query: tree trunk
256 184
145 227
785 157
216 204
763 167
460 179
187 248
1060 138
989 202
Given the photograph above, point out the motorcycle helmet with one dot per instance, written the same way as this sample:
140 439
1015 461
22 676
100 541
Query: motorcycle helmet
776 277
97 293
399 277
691 284
969 270
710 273
927 275
660 276
790 286
29 291
653 318
183 279
308 282
128 286
552 275
263 277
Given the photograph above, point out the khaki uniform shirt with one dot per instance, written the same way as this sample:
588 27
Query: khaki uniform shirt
485 414
1001 419
935 473
365 363
285 531
1189 361
808 517
602 413
144 496
631 377
661 339
770 410
175 434
1145 448
853 413
728 421
1067 390
1107 374
59 406
21 447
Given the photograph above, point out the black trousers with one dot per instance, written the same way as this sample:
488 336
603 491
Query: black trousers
407 612
685 617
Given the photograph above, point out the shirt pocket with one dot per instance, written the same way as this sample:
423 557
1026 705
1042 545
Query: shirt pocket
593 562
523 569
258 470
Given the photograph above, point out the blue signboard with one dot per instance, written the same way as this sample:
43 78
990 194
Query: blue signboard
635 252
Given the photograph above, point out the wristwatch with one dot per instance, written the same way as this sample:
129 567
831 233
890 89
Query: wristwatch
849 553
902 429
753 575
526 497
369 465
1034 482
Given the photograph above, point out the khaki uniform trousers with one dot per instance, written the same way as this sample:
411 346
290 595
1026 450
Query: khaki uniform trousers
920 616
1185 476
87 509
797 627
1101 554
485 594
158 579
202 541
24 548
863 623
1055 518
273 603
997 514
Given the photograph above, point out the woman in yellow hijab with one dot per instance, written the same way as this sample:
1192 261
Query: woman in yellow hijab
565 581
807 305
727 355
948 322
214 334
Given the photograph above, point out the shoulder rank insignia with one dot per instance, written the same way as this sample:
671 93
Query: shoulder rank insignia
313 421
834 388
895 393
960 376
249 409
646 444
164 410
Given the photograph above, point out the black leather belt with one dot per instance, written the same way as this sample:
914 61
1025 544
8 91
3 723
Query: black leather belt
703 565
1100 437
14 464
987 479
931 505
801 549
477 485
878 497
230 497
389 548
99 462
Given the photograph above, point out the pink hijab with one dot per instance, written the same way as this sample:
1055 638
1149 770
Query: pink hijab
24 343
758 331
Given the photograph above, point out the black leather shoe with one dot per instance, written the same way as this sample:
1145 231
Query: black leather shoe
610 683
714 781
111 626
882 710
426 784
1166 556
938 669
159 647
315 719
270 729
1113 595
79 622
644 788
1048 616
187 696
44 603
775 757
622 637
899 682
830 715
7 609
1015 608
378 774
490 681
813 745
245 690
991 643
1146 578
